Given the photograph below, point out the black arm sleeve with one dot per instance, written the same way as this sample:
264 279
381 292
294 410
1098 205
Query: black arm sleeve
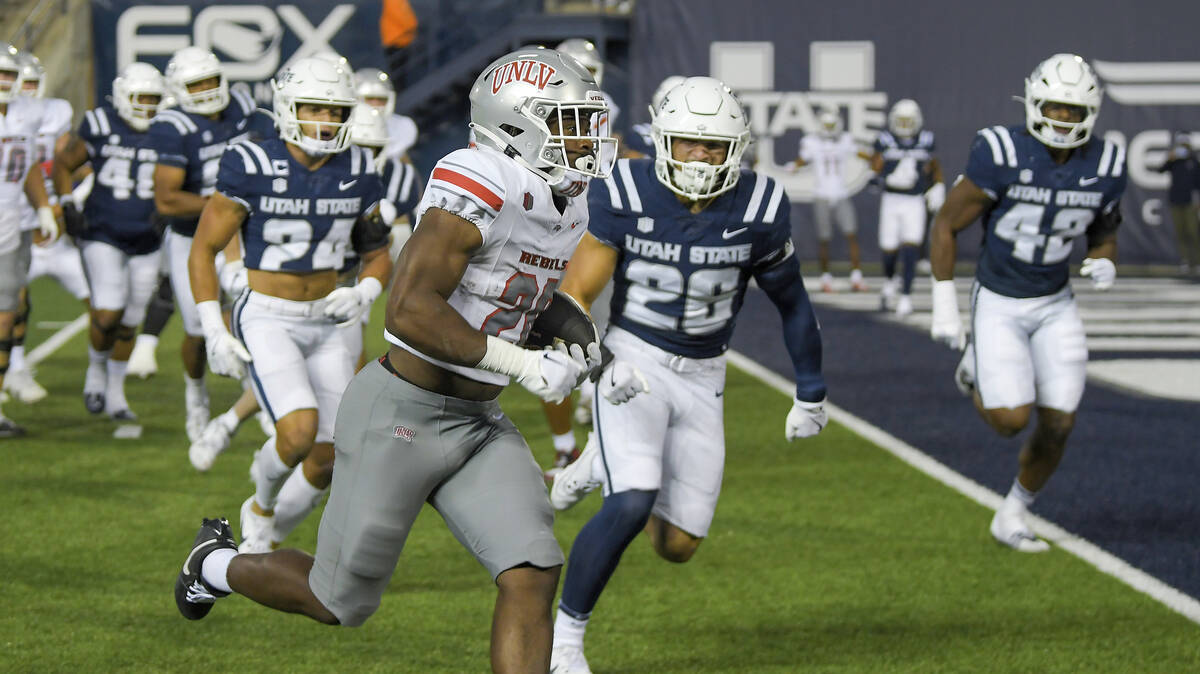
1104 226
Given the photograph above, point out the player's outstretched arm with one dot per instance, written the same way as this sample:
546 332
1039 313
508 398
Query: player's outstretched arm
219 221
965 203
35 191
170 199
590 269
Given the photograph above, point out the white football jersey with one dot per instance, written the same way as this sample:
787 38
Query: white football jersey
18 149
526 244
829 158
402 134
56 120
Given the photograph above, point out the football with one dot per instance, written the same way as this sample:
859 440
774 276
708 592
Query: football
562 320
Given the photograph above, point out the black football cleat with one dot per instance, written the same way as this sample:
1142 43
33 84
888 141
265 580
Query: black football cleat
193 596
10 429
94 402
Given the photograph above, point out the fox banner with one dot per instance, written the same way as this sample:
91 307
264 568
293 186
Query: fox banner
962 62
253 40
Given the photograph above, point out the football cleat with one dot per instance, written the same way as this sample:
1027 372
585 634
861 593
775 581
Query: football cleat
904 306
212 441
126 415
858 286
568 660
561 460
21 385
142 360
826 282
964 374
1009 529
10 429
257 530
194 597
575 480
887 295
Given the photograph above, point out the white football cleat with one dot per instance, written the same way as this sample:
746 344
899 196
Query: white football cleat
575 480
1009 528
21 385
904 306
887 294
964 374
257 530
142 360
568 660
213 440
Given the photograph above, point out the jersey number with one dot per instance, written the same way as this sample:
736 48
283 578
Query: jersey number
117 176
1022 226
708 296
14 166
522 292
290 239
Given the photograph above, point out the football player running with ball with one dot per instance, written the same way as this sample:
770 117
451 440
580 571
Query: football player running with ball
681 235
1037 187
422 423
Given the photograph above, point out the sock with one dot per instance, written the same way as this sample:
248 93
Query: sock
150 342
908 258
115 392
159 310
215 569
889 265
16 357
599 546
269 473
296 500
564 443
855 275
1019 495
97 370
568 629
195 393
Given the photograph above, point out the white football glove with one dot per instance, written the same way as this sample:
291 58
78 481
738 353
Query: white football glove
226 355
550 374
805 419
47 224
346 305
904 176
946 326
1101 269
935 196
621 382
233 278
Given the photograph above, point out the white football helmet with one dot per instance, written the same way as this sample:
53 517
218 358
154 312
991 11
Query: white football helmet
660 93
190 65
374 83
134 80
585 52
317 82
699 108
831 123
10 62
1062 78
32 70
514 99
905 120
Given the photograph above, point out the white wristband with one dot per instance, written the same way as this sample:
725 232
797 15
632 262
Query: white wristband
503 357
944 293
210 316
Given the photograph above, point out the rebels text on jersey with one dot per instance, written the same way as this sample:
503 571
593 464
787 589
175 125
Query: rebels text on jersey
919 148
195 143
527 241
1039 207
297 220
119 207
681 276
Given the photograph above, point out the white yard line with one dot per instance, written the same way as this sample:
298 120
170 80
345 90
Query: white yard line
56 340
1139 580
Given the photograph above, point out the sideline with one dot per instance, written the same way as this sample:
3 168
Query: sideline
52 343
1139 580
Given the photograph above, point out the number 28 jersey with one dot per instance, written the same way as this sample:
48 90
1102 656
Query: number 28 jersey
119 207
511 278
297 220
1039 207
681 276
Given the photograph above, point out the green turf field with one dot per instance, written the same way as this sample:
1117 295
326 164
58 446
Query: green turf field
827 555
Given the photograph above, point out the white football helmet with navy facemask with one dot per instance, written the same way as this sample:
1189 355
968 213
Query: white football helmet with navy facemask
1066 79
10 62
314 81
518 95
136 80
32 70
904 119
190 65
703 109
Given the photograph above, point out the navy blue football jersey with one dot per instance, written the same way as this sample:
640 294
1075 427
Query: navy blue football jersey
195 143
297 220
640 139
681 276
1039 207
401 186
919 148
119 207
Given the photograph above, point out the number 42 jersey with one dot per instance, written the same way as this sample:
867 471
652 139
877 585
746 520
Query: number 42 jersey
1039 206
681 276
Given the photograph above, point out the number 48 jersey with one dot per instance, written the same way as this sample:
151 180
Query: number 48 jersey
297 220
119 207
681 276
1039 206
